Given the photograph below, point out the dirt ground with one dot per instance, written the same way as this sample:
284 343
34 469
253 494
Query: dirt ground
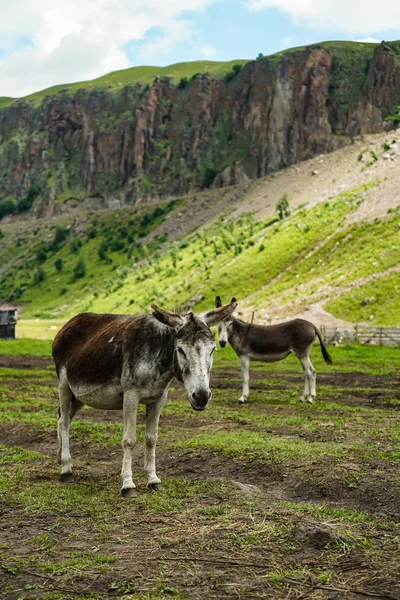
226 525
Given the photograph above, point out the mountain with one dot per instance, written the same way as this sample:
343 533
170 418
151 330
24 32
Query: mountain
337 250
127 137
135 205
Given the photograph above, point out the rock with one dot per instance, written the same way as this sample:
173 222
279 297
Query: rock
317 537
367 301
248 487
151 141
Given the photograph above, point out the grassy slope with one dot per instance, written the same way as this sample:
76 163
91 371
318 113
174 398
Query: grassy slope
302 258
144 75
350 53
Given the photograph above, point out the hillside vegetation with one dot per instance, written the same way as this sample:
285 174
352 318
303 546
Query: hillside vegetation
268 264
144 75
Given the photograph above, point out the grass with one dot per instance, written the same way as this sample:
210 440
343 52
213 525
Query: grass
26 347
315 465
144 75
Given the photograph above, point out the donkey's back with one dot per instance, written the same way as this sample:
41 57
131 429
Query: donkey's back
90 345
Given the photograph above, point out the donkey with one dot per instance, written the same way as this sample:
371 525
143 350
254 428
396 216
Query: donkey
270 344
113 362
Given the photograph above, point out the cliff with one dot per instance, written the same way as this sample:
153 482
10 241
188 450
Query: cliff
166 139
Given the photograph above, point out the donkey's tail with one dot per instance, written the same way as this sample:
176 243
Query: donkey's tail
325 353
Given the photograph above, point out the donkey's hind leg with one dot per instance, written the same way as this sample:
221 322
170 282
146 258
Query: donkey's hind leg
309 379
244 363
68 407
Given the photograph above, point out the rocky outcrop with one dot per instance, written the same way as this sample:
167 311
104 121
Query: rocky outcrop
164 140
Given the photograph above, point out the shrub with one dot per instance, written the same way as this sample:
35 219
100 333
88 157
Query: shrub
395 118
282 206
102 252
92 233
58 263
231 74
39 276
60 235
74 247
26 203
184 82
386 146
209 175
41 255
79 269
7 207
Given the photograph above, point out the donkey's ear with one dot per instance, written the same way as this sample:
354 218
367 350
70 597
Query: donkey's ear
168 318
218 302
213 317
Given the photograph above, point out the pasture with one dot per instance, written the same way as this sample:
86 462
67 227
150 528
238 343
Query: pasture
272 499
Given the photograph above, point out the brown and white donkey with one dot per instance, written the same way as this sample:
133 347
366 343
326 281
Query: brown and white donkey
270 343
113 362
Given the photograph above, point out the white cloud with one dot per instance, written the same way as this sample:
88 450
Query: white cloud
357 16
76 40
208 51
369 40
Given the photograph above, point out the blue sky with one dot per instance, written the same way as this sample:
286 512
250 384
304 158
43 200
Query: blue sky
233 31
60 42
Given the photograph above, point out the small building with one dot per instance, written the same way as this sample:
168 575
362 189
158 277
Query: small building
8 322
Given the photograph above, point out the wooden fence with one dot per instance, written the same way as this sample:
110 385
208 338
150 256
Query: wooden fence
362 334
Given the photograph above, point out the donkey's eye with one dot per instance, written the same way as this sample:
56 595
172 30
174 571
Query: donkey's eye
180 351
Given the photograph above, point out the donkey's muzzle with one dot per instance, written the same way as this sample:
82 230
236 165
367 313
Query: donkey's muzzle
222 344
200 399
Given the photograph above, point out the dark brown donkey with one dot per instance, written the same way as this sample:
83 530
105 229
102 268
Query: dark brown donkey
119 361
270 343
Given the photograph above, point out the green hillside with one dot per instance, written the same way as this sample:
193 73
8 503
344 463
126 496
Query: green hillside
350 53
302 258
144 75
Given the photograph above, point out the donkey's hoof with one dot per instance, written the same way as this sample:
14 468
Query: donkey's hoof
241 401
310 399
67 477
129 493
156 487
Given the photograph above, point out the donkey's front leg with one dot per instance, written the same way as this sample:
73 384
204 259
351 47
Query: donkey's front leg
153 412
131 403
68 407
244 363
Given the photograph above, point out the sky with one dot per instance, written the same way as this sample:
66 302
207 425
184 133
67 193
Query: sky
49 42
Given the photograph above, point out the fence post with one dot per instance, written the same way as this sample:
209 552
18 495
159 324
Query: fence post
356 329
380 335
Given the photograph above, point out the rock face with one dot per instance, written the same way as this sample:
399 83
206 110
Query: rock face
164 140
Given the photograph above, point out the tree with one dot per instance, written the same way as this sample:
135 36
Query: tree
282 206
80 269
58 265
41 255
26 203
39 276
60 235
395 118
7 207
183 83
209 176
260 55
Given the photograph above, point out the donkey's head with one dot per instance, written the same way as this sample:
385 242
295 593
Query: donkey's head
224 326
193 350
